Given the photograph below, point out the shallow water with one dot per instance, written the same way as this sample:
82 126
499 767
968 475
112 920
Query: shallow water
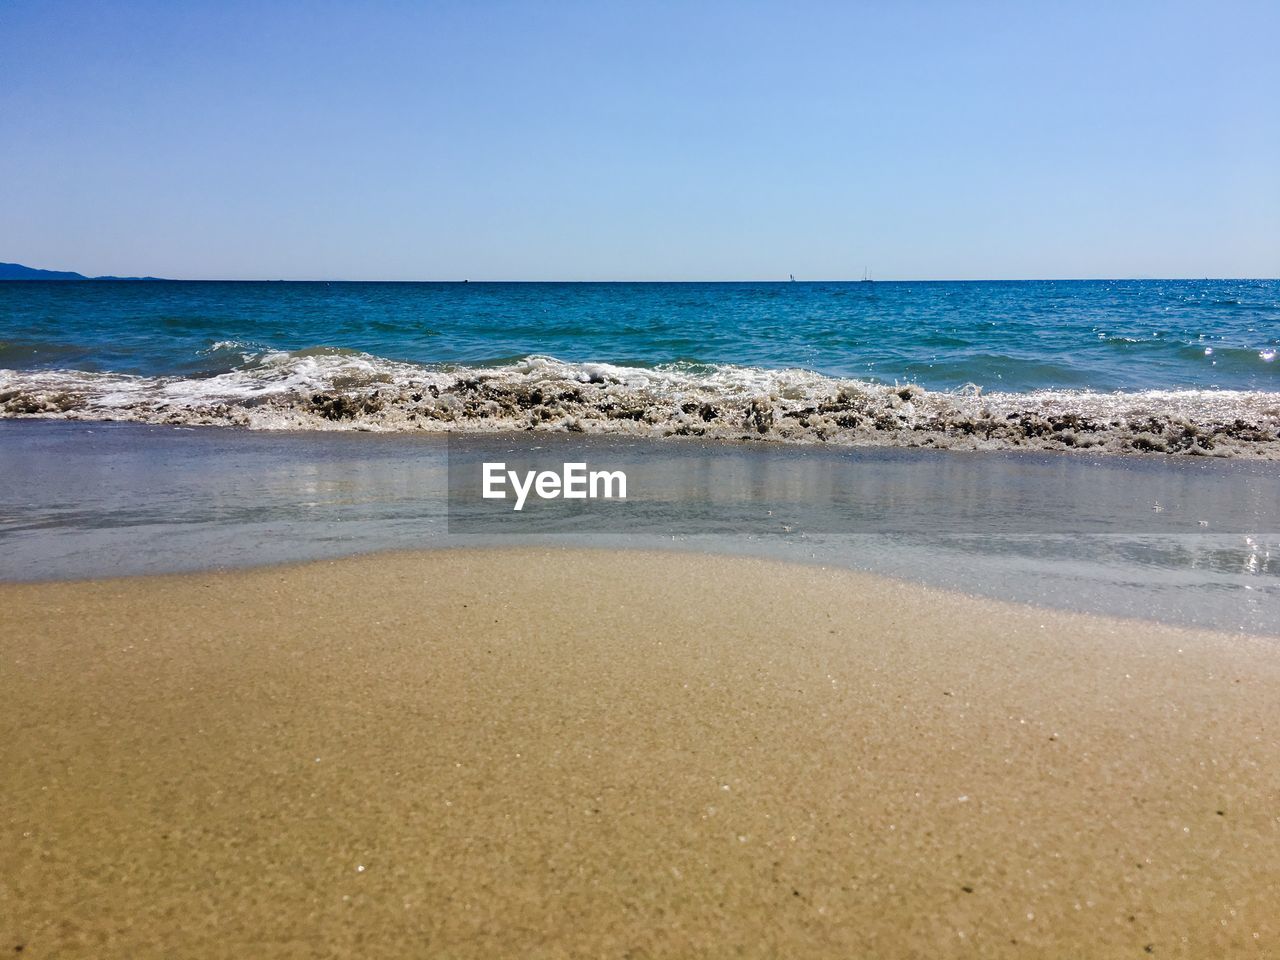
1190 541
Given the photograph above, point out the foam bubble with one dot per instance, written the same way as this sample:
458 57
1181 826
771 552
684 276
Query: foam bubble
335 389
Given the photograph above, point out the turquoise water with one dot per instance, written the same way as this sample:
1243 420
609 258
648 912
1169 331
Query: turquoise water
1007 336
1169 367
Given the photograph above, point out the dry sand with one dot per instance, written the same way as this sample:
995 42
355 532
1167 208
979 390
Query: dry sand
544 754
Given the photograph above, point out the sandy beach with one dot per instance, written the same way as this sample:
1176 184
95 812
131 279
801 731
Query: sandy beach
540 753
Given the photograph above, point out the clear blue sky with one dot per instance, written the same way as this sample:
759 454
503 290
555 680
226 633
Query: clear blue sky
385 140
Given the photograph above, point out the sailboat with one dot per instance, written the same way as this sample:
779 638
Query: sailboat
866 277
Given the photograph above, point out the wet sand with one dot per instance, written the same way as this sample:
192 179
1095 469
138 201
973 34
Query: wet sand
572 753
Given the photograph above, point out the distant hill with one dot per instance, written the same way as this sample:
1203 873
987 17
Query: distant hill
16 271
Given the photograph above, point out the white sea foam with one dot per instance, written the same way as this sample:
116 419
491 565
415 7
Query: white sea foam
326 388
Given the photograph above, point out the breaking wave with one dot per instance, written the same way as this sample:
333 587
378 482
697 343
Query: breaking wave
332 389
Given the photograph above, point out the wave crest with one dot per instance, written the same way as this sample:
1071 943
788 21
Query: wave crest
330 388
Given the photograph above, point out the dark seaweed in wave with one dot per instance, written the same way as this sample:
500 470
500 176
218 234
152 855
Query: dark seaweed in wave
328 389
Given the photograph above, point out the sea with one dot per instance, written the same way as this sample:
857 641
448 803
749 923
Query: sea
1175 366
1102 446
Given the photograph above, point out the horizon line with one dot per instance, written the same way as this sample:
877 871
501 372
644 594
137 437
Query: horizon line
112 278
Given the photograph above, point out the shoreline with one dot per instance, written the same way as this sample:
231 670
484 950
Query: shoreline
326 389
1173 437
90 500
681 552
535 752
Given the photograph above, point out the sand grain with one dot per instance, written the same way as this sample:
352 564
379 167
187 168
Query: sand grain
546 754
